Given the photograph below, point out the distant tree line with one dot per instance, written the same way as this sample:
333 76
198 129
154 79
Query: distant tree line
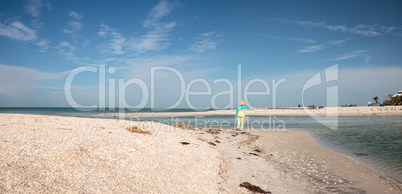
397 100
390 100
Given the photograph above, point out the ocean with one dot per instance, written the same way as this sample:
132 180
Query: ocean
375 141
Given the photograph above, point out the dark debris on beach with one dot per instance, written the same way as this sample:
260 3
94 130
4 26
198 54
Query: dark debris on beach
212 143
253 188
214 131
254 154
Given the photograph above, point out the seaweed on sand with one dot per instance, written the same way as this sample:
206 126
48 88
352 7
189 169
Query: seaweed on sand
212 143
253 188
250 139
135 129
213 131
254 154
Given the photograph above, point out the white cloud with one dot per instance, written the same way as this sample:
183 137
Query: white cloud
187 65
104 30
350 55
15 79
360 29
155 39
116 42
160 60
162 9
204 42
67 50
367 61
157 36
335 42
64 44
203 45
73 24
34 7
36 23
44 45
17 30
290 38
75 15
347 57
309 49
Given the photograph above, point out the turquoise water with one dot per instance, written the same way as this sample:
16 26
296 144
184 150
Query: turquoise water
67 111
375 140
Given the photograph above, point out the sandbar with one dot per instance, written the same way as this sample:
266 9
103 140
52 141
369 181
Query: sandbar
326 111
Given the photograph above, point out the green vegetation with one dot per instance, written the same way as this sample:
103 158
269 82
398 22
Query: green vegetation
375 99
397 100
389 100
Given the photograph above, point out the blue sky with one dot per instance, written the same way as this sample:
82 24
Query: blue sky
42 42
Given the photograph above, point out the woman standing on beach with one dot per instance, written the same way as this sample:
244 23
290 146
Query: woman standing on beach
241 113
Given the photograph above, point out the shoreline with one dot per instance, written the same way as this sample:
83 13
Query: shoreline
336 167
289 161
327 111
372 166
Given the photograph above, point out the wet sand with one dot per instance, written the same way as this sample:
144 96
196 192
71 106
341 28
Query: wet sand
68 154
291 162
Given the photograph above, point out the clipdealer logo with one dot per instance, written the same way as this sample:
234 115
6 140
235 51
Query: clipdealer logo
149 93
331 111
330 119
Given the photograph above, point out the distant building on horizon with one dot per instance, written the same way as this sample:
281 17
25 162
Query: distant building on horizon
398 94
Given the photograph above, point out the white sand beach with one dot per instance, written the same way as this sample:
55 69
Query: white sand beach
41 153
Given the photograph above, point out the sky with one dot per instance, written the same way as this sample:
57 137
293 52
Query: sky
198 54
